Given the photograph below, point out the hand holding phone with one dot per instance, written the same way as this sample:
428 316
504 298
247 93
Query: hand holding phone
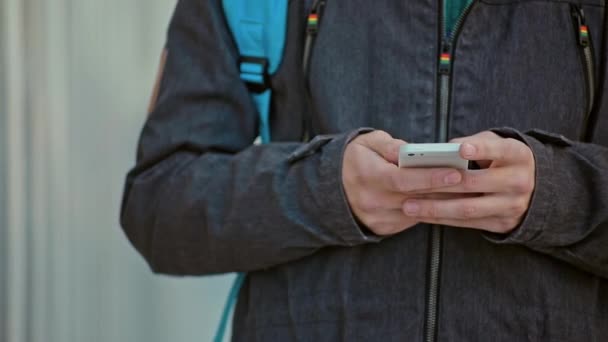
503 186
376 188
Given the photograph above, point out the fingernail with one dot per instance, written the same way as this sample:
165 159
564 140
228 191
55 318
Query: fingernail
468 150
411 208
452 179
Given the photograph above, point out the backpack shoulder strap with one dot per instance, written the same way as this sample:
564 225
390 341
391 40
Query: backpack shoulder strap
259 28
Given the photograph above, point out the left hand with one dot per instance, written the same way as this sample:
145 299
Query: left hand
504 187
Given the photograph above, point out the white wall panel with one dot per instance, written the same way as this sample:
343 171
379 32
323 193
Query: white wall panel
81 72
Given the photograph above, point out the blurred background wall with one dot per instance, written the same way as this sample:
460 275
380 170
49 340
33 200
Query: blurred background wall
75 78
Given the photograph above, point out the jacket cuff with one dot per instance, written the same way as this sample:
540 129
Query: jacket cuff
336 213
532 229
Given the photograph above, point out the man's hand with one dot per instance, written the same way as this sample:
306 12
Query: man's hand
376 188
504 187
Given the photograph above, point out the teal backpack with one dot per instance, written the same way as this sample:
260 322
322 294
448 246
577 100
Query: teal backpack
259 28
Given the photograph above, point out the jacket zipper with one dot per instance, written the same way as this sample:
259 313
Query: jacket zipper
445 70
312 29
586 53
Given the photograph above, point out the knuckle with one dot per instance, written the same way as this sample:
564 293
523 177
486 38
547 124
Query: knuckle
525 152
430 211
390 149
507 148
468 211
380 135
488 135
519 208
517 149
522 183
522 152
511 142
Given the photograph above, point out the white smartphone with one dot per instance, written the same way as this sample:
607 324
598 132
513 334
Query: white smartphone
432 155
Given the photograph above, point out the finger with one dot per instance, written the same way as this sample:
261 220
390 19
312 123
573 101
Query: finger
383 144
372 202
493 180
466 208
395 200
489 224
442 196
480 135
388 222
487 146
412 180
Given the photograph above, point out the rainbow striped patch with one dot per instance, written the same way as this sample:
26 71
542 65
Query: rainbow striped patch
313 19
444 59
584 31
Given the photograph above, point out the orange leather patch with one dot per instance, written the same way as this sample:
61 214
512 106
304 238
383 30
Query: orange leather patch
159 78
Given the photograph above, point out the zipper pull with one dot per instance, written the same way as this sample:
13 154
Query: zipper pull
314 17
445 59
583 30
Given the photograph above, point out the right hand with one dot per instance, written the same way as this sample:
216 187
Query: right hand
376 188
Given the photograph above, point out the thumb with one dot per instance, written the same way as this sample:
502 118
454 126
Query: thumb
383 144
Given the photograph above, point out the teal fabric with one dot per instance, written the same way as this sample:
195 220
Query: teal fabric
452 10
228 309
259 28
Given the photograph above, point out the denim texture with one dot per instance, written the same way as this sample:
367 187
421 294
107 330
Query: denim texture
202 200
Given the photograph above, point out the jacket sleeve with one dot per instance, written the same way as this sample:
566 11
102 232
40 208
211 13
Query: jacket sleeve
202 199
568 214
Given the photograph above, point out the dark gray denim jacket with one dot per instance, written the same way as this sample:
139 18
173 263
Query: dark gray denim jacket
202 200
